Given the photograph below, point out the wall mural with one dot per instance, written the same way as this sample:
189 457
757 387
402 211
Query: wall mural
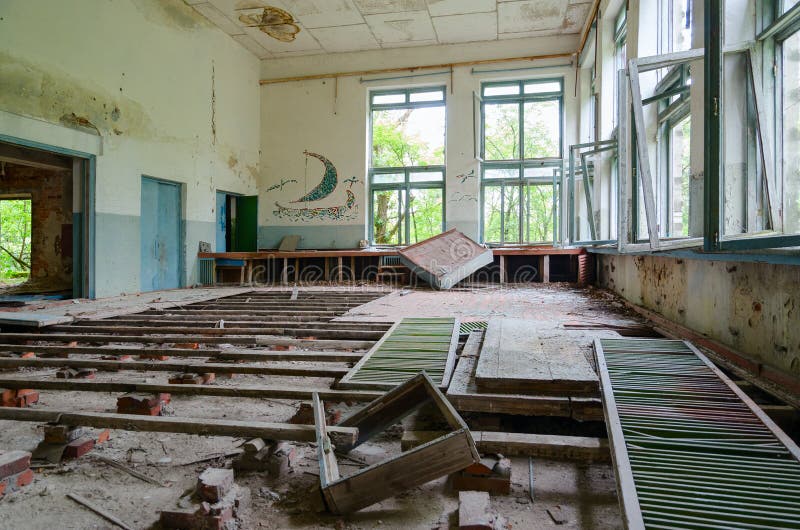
464 176
327 185
351 181
280 186
348 210
458 197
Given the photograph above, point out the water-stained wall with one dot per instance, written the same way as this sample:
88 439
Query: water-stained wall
752 307
168 95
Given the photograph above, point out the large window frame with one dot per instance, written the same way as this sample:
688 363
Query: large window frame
413 178
777 24
543 171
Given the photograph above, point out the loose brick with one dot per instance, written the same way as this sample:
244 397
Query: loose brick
61 434
104 436
154 357
24 478
78 448
187 346
474 511
214 483
27 355
13 462
281 459
208 377
19 398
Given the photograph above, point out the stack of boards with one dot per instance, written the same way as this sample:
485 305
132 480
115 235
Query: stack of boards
409 347
516 370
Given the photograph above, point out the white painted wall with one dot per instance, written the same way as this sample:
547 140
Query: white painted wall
309 115
152 61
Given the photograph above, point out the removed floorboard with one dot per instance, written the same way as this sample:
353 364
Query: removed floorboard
30 319
445 259
343 436
516 360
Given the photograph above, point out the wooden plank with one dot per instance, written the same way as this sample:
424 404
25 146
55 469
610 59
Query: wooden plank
294 392
516 360
31 319
445 259
344 334
167 366
226 354
328 467
550 446
345 436
463 394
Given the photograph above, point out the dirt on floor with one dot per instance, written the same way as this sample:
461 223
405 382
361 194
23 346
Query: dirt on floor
584 494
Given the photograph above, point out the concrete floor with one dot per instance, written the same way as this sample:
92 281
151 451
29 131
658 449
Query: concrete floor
585 493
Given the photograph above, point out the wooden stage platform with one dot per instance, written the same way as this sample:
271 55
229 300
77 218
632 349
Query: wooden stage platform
534 263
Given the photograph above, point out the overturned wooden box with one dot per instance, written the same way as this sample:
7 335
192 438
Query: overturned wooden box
445 259
450 452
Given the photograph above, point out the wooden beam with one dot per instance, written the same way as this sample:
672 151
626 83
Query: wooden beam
166 366
295 392
412 68
345 436
183 330
580 448
226 355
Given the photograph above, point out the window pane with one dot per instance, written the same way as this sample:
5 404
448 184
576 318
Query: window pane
502 90
388 178
433 95
387 220
501 173
542 129
540 88
539 208
492 213
791 133
539 173
511 214
408 137
680 171
501 135
681 18
385 99
788 4
425 213
425 176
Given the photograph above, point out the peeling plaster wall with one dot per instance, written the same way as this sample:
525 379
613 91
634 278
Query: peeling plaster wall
751 307
319 117
169 95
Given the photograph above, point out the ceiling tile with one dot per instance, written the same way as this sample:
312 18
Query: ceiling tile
303 41
345 38
250 44
219 18
466 28
373 7
530 15
438 8
324 13
401 27
576 17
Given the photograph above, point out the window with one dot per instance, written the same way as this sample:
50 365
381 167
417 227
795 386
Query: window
790 130
407 131
521 150
620 55
677 26
15 241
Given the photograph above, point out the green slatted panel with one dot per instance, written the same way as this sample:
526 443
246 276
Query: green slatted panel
411 346
469 327
698 453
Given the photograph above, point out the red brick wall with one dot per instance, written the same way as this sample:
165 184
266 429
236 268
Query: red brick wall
51 218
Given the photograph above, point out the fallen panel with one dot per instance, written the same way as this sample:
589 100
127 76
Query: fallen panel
30 319
691 450
409 347
515 359
450 452
445 259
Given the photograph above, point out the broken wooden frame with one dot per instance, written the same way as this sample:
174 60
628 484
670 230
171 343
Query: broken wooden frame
393 364
446 454
635 67
576 151
689 447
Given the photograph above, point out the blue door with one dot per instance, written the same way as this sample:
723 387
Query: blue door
222 221
161 235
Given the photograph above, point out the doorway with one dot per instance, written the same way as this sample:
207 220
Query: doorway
45 220
236 222
161 232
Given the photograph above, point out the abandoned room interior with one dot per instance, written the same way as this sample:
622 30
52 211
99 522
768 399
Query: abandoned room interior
405 264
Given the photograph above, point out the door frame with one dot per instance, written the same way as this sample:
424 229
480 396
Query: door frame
232 194
181 226
83 240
